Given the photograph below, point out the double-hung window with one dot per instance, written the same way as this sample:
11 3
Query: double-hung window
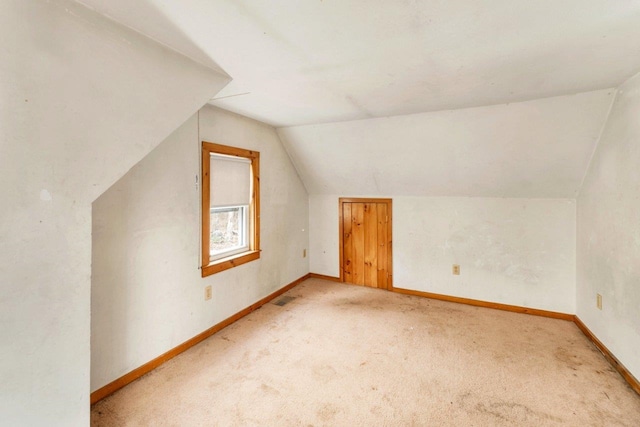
230 207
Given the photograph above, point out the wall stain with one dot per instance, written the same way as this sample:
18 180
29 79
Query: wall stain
484 243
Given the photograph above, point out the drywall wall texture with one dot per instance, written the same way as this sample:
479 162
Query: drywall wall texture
509 150
324 239
511 251
82 99
147 292
609 232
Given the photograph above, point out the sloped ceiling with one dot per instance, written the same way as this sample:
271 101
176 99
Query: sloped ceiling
443 98
304 62
536 149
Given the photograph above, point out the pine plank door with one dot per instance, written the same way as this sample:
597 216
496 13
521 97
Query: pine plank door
365 238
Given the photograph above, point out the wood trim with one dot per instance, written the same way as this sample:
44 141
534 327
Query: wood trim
206 194
227 263
128 378
390 246
363 200
230 151
494 305
341 238
629 378
207 267
255 206
389 203
323 277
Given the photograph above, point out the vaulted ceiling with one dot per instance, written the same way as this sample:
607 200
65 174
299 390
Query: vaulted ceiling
298 64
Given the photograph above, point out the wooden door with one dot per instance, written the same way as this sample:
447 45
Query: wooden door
365 242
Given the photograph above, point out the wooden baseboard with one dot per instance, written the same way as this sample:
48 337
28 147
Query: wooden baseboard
467 301
494 305
110 388
629 378
323 277
113 386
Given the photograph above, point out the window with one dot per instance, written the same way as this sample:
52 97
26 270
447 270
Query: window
230 207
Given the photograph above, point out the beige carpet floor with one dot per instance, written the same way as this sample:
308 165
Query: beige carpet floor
343 355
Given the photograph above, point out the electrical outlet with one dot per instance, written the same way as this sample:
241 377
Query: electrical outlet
207 293
456 269
599 301
304 253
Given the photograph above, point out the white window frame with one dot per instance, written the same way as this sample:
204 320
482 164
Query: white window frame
245 232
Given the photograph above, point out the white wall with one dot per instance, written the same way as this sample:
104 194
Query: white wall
82 99
533 149
511 251
147 293
609 232
490 188
324 243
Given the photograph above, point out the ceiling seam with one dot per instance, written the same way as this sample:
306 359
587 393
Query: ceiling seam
293 161
440 111
597 144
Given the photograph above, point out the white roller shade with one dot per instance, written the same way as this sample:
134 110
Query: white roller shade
230 181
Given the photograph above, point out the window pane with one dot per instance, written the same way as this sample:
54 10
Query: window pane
230 207
227 229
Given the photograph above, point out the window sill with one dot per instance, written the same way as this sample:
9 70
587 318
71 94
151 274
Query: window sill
229 262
